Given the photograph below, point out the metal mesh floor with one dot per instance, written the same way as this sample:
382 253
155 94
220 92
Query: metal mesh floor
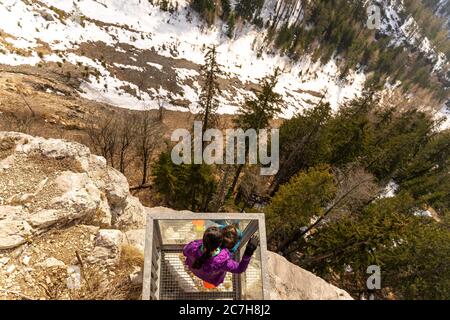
167 278
178 283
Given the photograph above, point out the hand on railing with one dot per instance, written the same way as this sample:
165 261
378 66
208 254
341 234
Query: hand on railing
252 244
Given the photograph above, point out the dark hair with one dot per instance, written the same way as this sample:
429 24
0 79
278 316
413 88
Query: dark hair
212 239
230 236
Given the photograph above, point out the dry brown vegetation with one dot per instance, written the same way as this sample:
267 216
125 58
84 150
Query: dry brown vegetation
118 287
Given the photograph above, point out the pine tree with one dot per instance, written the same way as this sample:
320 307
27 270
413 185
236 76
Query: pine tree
226 9
396 139
231 24
247 9
183 186
354 240
417 269
297 202
427 176
257 111
209 96
349 131
303 143
353 186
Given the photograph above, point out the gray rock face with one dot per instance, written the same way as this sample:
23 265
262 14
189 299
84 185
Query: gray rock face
290 282
136 238
67 184
51 263
108 246
13 233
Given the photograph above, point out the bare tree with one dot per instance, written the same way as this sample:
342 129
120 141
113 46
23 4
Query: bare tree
252 184
126 139
22 92
104 138
219 197
146 140
210 92
160 100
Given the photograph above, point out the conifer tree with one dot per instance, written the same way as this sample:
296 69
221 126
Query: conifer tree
412 251
206 8
183 187
247 9
257 111
303 143
209 96
297 202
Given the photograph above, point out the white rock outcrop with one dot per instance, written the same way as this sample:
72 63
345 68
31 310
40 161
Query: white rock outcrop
108 247
290 282
13 233
51 263
47 183
136 238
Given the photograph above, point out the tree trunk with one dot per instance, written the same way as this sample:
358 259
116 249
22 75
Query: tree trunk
284 246
235 180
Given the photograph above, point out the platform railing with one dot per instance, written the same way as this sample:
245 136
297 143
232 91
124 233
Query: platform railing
159 269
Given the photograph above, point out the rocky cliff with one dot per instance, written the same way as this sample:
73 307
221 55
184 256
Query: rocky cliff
62 207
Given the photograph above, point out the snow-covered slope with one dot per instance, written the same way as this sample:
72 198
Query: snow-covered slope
398 23
145 45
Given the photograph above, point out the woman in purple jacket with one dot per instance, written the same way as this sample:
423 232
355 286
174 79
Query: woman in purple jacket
208 261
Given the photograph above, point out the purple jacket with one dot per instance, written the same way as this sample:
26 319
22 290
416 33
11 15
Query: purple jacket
215 268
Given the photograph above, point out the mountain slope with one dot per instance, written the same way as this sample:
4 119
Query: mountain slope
148 54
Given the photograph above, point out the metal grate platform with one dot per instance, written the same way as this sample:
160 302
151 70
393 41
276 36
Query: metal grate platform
178 283
167 278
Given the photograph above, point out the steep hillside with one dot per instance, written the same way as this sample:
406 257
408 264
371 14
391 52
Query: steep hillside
135 55
147 54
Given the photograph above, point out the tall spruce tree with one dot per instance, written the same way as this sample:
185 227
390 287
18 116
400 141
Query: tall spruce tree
427 176
183 186
303 143
258 111
209 96
247 9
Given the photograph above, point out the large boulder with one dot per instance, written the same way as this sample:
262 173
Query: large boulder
133 216
49 183
290 282
136 238
108 247
13 233
80 196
